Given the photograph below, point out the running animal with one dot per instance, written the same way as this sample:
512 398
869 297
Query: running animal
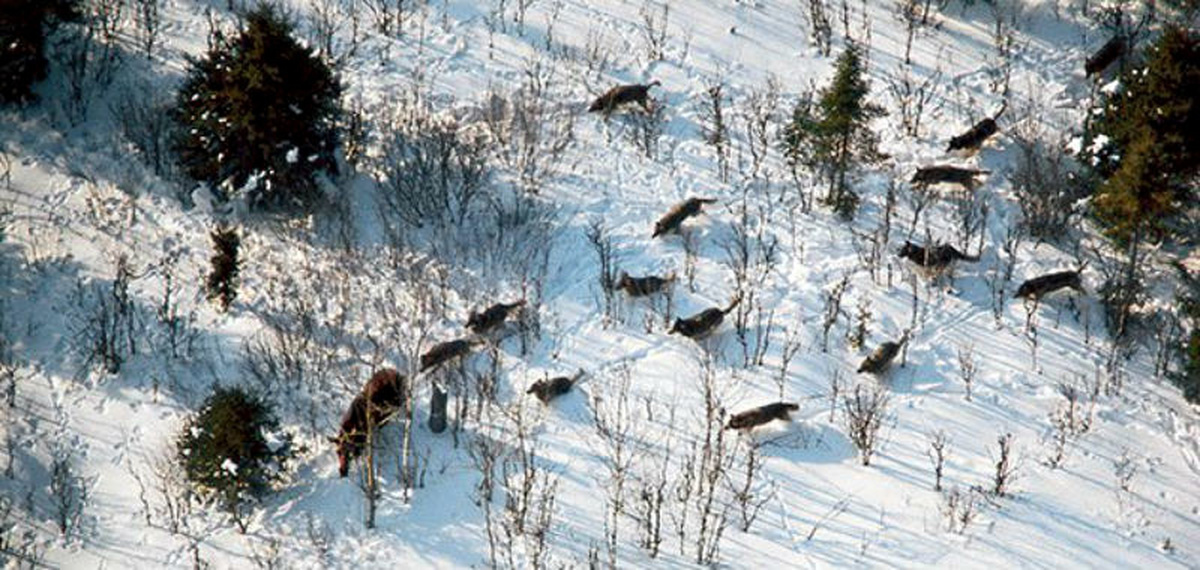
934 257
940 173
1043 285
879 360
643 286
549 389
755 417
444 352
671 221
491 318
974 138
382 396
623 94
703 323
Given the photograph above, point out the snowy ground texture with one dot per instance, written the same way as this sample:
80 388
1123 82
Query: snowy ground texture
338 294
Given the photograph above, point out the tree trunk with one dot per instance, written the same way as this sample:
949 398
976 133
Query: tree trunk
437 409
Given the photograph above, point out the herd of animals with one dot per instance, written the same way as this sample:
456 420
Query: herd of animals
386 391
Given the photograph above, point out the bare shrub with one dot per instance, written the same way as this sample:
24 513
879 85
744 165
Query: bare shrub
760 115
819 25
1068 421
179 334
9 364
865 413
432 169
938 441
750 493
614 422
148 20
651 495
142 114
960 509
647 129
69 491
968 366
654 29
1001 273
715 126
913 97
19 544
1006 468
1046 186
751 254
856 336
972 210
106 323
710 465
833 309
529 133
602 244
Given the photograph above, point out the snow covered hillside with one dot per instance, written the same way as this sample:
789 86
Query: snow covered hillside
1005 433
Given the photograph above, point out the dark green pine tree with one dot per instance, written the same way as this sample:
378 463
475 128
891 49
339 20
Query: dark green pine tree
259 112
1152 164
225 451
833 136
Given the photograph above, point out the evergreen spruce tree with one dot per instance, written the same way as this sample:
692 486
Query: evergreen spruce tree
258 113
223 278
233 449
1151 164
833 136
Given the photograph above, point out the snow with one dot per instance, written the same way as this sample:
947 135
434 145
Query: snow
78 201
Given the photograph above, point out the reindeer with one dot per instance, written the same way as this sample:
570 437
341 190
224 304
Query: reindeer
703 323
940 173
444 352
492 317
974 138
879 360
643 286
755 417
621 95
549 389
1103 57
935 257
674 217
382 396
1037 287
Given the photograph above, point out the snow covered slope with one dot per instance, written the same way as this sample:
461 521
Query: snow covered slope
1121 495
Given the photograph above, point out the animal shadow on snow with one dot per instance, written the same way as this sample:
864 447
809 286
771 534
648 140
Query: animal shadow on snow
804 441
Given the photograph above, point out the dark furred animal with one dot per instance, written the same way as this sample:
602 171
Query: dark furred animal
934 257
675 216
382 396
623 94
643 286
549 389
1108 53
702 323
492 317
755 417
879 360
1038 286
444 352
945 173
973 139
